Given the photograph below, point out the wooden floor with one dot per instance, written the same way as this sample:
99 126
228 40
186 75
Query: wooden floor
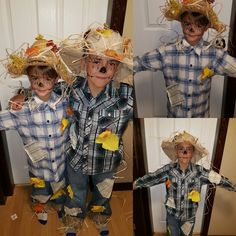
159 234
26 224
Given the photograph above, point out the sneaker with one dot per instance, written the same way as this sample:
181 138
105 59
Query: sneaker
72 225
40 212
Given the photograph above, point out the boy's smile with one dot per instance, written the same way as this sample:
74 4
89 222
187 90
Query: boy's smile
100 71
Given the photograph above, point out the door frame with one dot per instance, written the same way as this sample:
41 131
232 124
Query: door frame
141 198
221 132
115 19
229 95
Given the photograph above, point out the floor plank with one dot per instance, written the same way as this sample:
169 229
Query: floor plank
26 223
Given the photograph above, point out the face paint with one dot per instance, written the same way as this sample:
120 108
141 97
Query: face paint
100 72
41 84
192 30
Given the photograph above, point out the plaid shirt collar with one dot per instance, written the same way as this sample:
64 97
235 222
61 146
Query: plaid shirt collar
188 170
35 102
184 45
108 91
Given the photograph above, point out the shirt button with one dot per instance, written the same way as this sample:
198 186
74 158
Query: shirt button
188 109
191 65
89 118
51 149
48 121
190 80
53 161
49 135
189 95
109 114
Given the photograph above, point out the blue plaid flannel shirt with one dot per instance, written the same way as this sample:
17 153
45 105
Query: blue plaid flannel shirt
182 64
111 109
41 122
181 184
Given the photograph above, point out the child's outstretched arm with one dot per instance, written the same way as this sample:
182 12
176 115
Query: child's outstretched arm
151 179
212 177
225 64
149 61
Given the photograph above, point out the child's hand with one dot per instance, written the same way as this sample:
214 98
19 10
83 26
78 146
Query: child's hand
17 102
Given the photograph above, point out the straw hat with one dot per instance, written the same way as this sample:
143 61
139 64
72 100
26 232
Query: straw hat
99 41
41 53
174 8
169 146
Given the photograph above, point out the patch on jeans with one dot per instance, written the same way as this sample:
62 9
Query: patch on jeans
70 191
187 227
105 187
98 209
41 198
57 185
170 202
72 211
58 194
214 177
37 182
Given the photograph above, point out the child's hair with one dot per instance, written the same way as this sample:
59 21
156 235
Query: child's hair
199 18
46 70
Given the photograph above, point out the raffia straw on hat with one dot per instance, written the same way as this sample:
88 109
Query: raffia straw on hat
41 53
169 146
102 42
174 8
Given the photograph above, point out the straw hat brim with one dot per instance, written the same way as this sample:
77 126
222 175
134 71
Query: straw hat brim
73 58
174 9
169 148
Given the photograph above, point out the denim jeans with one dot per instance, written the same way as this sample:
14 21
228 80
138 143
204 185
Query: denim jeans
79 183
47 192
174 227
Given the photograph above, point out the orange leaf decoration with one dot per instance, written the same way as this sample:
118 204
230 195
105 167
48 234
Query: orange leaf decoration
32 50
69 111
114 54
168 183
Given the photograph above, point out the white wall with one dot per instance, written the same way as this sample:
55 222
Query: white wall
21 21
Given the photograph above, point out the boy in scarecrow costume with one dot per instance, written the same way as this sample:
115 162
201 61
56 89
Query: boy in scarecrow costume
101 96
183 179
189 64
42 122
102 101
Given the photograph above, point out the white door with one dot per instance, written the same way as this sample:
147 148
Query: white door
157 129
21 21
149 33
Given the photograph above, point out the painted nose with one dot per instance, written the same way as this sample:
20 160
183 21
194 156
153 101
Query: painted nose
103 70
191 29
40 84
185 152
